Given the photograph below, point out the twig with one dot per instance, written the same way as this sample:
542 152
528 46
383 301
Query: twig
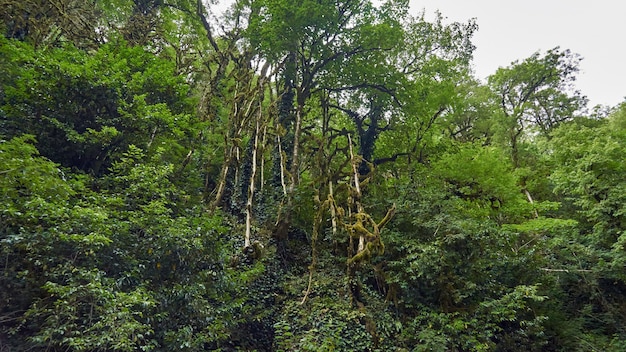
567 270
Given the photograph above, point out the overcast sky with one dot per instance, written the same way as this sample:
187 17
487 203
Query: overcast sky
513 29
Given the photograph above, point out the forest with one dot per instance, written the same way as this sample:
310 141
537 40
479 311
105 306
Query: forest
299 175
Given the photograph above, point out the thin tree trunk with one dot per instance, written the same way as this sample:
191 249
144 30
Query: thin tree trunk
531 201
317 223
262 173
152 136
294 178
221 186
251 185
357 187
282 166
333 211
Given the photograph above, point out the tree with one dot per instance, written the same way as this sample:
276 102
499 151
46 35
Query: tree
469 118
588 177
50 23
303 39
409 82
589 173
536 95
85 109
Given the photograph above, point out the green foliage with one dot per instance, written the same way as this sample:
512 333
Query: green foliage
98 269
327 322
482 180
509 226
279 26
462 277
30 184
85 109
114 319
591 174
324 327
538 91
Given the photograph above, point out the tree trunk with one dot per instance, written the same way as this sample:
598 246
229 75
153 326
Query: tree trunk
251 184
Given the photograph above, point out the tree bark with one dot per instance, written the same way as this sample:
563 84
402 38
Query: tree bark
251 184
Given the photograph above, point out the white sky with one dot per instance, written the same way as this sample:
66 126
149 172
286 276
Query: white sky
514 29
